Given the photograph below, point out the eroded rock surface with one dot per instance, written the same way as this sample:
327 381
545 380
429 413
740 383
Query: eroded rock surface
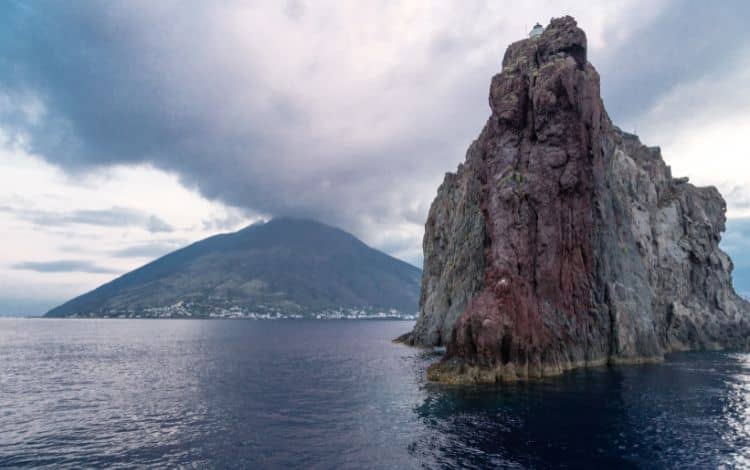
562 241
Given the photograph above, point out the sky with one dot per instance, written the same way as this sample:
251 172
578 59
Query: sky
131 128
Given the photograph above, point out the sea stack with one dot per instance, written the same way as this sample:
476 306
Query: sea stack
564 242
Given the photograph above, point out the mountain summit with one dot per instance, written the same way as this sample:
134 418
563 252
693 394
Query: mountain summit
563 242
279 268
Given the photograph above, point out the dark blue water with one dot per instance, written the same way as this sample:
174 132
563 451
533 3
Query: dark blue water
325 394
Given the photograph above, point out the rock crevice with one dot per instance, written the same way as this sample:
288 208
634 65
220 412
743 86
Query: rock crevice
562 241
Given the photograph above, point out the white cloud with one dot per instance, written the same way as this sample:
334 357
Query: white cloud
35 261
702 128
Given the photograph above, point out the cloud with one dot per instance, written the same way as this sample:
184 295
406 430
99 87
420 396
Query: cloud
739 197
63 266
149 250
230 219
112 217
687 41
306 109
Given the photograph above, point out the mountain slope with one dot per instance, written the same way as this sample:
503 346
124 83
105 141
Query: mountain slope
287 265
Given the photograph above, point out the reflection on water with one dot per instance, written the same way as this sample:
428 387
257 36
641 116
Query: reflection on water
692 411
736 409
82 393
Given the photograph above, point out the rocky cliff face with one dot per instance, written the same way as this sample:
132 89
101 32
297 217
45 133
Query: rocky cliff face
564 242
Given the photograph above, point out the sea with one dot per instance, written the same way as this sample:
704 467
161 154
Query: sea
339 394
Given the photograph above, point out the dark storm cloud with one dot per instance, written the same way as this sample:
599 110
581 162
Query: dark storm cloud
63 266
112 217
134 82
112 96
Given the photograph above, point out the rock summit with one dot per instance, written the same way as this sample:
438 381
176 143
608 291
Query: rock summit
563 241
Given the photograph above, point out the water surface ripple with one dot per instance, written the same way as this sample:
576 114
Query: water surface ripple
325 394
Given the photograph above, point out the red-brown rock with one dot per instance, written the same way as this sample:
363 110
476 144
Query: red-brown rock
563 242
